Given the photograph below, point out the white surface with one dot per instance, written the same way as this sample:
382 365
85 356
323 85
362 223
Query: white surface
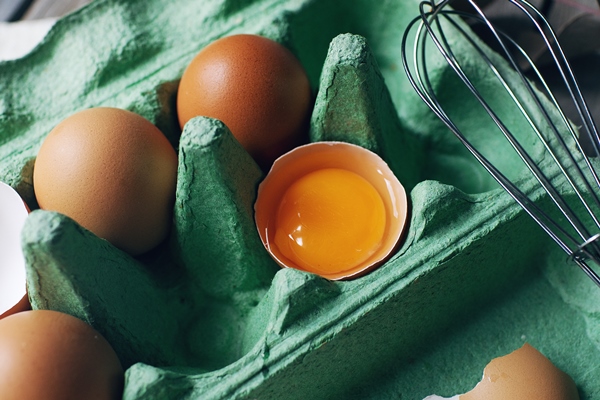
19 38
12 263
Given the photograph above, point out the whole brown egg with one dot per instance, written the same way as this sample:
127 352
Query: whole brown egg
54 356
255 86
113 172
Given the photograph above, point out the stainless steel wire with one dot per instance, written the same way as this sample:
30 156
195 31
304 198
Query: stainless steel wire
573 223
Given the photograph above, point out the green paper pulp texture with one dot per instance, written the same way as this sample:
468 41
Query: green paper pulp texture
208 314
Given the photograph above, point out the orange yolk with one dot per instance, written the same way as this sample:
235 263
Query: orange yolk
330 220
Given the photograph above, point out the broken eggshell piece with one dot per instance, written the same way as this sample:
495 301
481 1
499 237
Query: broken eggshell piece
524 374
13 212
331 208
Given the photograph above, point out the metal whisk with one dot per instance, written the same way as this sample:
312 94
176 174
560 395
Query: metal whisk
572 222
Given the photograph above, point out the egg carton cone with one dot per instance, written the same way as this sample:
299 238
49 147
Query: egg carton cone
208 314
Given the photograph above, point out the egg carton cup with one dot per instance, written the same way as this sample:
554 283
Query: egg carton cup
208 314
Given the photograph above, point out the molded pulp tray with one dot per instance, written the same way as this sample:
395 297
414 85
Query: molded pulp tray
208 314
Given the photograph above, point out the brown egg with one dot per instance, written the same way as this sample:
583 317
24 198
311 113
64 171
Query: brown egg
256 87
525 374
54 356
113 172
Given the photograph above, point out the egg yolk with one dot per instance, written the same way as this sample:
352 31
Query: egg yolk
330 220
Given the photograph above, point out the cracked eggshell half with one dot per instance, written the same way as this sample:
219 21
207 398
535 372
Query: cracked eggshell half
331 208
13 212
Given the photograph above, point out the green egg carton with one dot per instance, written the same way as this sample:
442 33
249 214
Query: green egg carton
208 314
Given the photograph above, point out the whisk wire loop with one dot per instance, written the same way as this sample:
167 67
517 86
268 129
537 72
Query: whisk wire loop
446 50
431 25
568 77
